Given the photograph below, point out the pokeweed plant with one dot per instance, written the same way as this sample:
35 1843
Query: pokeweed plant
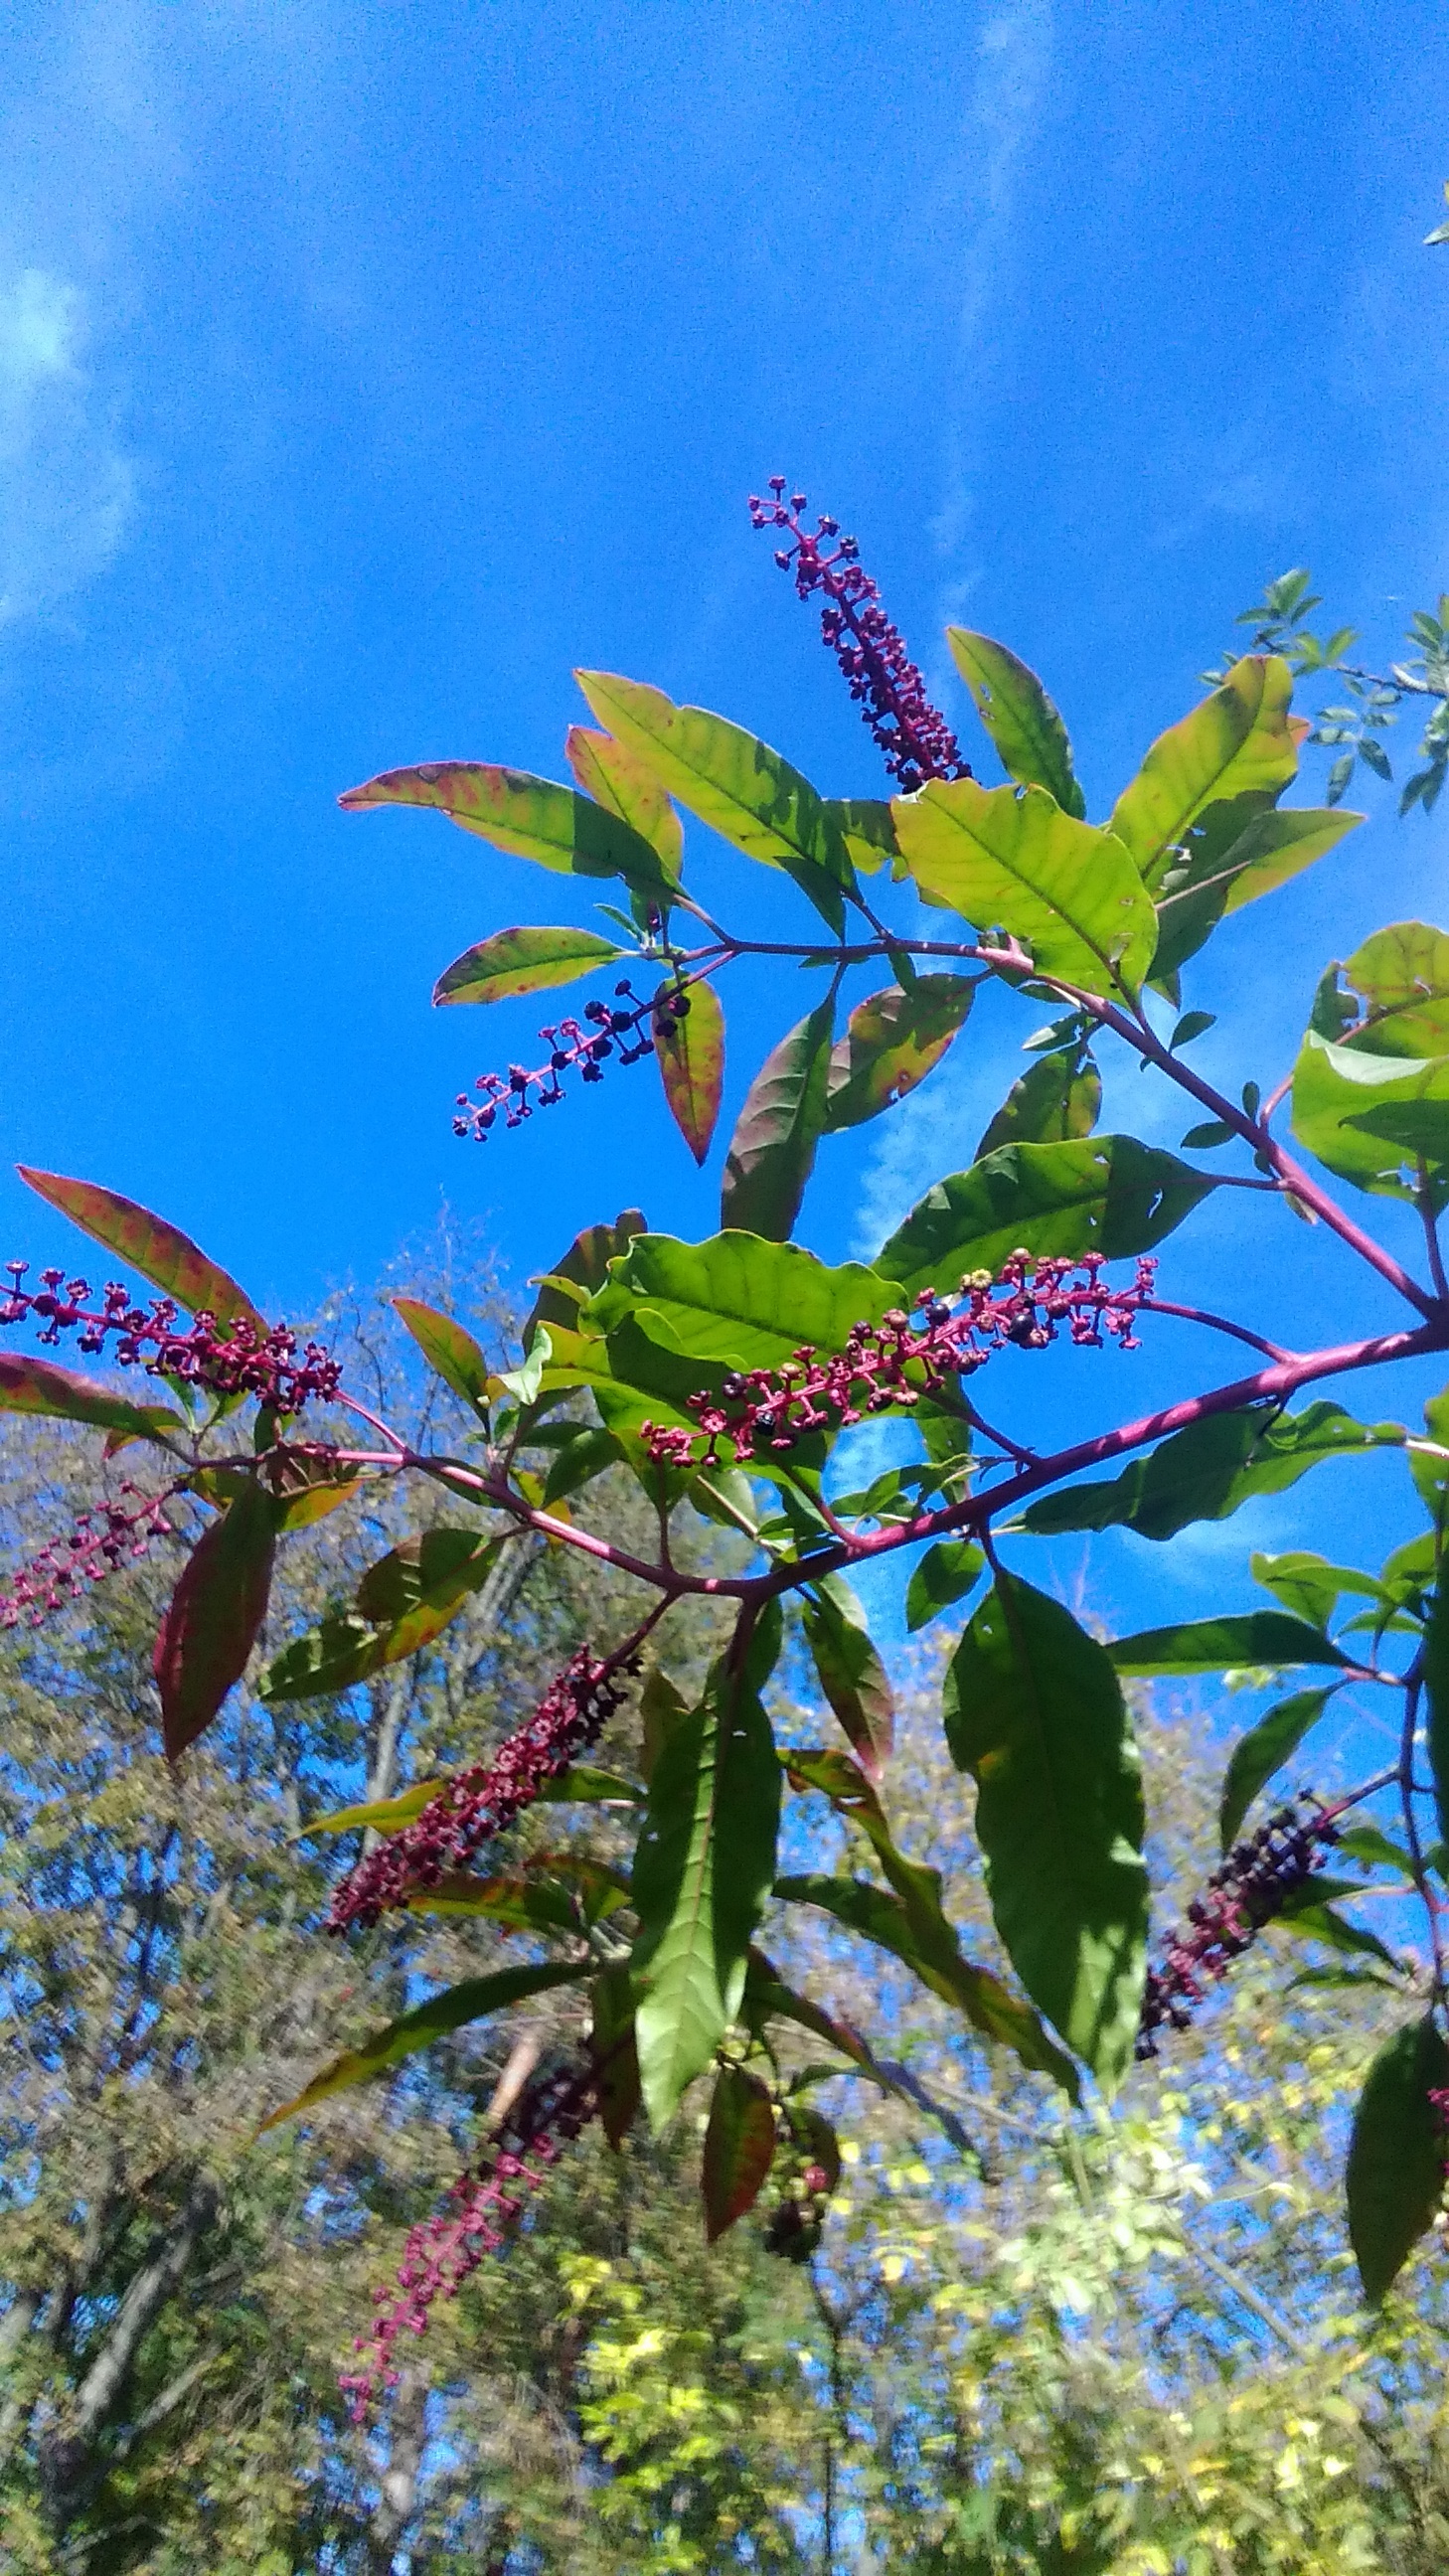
723 1374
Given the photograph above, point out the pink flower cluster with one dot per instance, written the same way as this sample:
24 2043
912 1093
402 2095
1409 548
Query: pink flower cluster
479 1803
572 1049
914 736
1254 1883
895 1363
100 1541
443 2251
225 1359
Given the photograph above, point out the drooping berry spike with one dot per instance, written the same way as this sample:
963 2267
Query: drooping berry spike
479 1803
228 1359
444 2250
913 735
1253 1885
890 1363
100 1541
572 1049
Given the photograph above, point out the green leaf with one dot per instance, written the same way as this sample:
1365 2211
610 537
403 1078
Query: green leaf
448 1349
34 1386
702 1874
1034 1711
1056 1100
891 1042
1257 1638
739 1299
1402 977
214 1617
850 1670
1225 868
586 1455
1365 1115
946 1573
772 1151
1436 1679
585 1265
1210 1470
1305 1917
471 2001
1366 1843
162 1254
767 1998
1010 859
733 782
527 960
1030 737
615 2054
691 1063
1106 1194
1396 2155
383 1815
739 2148
534 818
404 1602
1238 742
616 777
864 824
1262 1752
1309 1586
550 1892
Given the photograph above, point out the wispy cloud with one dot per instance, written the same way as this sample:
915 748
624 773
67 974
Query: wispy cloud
67 489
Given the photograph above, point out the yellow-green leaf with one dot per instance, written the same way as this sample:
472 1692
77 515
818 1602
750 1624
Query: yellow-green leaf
1009 859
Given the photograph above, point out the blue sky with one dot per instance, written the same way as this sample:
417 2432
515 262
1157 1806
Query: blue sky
362 371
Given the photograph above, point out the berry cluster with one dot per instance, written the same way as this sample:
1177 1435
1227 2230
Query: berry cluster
793 2228
479 1803
914 736
573 1048
443 2251
1254 1883
894 1363
100 1541
225 1359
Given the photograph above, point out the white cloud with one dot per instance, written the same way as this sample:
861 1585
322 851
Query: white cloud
67 491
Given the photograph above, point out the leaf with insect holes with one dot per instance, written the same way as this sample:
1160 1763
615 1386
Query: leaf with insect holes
526 960
1029 735
892 1041
161 1252
739 2148
691 1062
448 1349
474 2000
214 1617
772 1151
1106 1194
34 1386
1395 2175
849 1670
1007 858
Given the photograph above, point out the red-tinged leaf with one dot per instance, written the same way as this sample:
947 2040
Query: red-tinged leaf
891 1042
527 960
615 2054
34 1386
448 1349
691 1063
584 1265
162 1254
215 1615
772 1151
739 2148
534 818
850 1670
616 776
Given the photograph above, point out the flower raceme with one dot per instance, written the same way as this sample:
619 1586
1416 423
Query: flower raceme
1255 1882
1023 1304
224 1359
479 1803
444 2250
100 1541
913 735
572 1049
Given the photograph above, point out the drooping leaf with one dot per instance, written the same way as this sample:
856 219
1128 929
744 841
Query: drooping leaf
1256 1638
1307 1916
34 1386
527 960
850 1670
1056 1100
615 776
451 2010
1236 743
214 1616
1365 1115
1262 1752
1210 1470
946 1574
1402 977
733 782
448 1349
551 1892
161 1252
772 1151
382 1815
1030 737
1225 868
702 1874
1010 859
739 2148
1309 1586
534 818
615 2054
403 1603
768 1998
891 1042
1034 1711
1396 2155
1106 1194
691 1063
739 1299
